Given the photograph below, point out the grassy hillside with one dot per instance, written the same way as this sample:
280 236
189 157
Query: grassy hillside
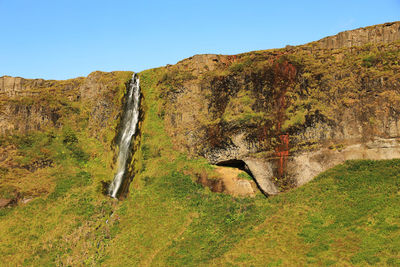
346 216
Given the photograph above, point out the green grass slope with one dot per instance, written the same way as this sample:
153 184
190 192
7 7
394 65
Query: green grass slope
63 221
348 215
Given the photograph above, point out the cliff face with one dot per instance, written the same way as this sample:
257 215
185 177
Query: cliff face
37 104
49 125
287 114
290 113
383 33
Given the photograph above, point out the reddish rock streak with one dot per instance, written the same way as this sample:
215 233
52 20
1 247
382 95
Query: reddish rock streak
284 76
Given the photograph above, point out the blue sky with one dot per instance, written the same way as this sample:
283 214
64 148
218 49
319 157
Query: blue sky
60 39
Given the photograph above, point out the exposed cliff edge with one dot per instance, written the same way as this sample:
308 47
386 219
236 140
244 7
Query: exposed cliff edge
382 33
288 113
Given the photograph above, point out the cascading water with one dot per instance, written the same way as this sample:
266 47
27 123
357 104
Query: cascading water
129 124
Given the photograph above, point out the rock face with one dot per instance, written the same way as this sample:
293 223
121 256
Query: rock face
304 166
18 117
383 33
10 85
36 104
292 113
262 171
23 103
20 87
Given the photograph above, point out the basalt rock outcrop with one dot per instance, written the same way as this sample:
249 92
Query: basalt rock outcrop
383 33
37 104
290 113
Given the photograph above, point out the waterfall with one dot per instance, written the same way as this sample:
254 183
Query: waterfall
129 124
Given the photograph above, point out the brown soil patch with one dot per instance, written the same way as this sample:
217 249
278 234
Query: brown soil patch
234 185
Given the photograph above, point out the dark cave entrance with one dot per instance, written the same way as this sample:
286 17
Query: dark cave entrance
241 165
236 163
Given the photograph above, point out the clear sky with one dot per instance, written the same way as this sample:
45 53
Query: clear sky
61 39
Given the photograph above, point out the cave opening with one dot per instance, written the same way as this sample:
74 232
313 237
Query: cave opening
241 165
236 163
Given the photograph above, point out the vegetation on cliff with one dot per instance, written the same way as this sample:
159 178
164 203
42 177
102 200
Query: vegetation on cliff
245 91
282 102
